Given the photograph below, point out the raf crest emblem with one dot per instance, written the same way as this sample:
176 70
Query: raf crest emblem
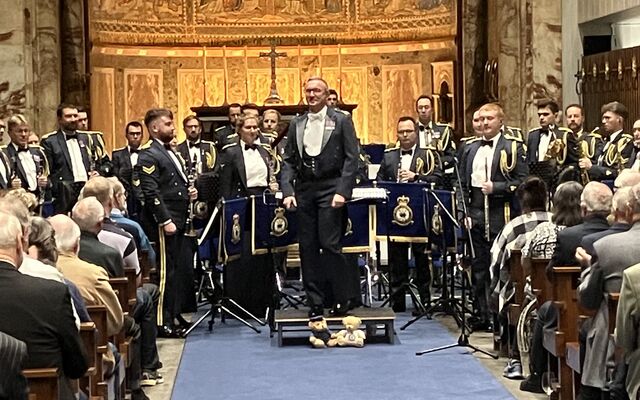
402 213
349 230
236 230
279 223
436 220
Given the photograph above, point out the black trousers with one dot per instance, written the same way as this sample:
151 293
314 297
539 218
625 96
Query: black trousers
320 228
176 284
399 268
480 275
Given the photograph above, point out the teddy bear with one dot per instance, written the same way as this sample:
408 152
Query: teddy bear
321 336
351 335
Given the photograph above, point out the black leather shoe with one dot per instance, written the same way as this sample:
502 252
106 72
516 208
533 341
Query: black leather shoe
339 309
316 312
168 332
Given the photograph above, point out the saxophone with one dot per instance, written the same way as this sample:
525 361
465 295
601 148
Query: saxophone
555 148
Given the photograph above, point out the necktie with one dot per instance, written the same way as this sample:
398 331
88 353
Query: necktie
69 136
249 146
487 143
315 117
406 152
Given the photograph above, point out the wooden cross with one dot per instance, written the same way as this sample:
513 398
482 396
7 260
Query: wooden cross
274 97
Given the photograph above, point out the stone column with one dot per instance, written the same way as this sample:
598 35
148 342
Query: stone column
46 65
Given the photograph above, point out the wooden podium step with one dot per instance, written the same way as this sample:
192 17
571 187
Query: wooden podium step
292 320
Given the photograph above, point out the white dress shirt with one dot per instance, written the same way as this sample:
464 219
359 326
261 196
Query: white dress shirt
636 163
425 136
175 160
405 160
133 157
482 163
194 152
313 132
4 172
543 145
255 168
77 164
29 166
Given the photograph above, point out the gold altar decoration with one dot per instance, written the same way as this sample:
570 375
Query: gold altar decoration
258 22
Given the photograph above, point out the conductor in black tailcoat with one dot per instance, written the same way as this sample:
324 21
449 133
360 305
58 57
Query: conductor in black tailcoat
124 160
492 166
167 193
68 153
320 166
417 164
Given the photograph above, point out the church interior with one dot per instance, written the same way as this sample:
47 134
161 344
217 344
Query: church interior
117 59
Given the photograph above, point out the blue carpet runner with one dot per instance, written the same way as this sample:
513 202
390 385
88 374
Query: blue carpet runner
235 363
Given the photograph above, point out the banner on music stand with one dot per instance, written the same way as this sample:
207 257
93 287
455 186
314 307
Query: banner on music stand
272 226
437 219
402 218
234 213
357 235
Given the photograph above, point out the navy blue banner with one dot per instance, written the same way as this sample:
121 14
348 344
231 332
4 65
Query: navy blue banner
356 238
441 227
403 217
234 218
273 226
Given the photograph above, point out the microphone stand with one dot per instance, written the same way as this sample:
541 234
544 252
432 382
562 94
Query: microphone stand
463 339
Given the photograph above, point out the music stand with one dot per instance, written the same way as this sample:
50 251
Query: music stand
463 339
447 302
219 304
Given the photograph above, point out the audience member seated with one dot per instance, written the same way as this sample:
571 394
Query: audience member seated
38 312
532 195
615 253
595 203
628 327
133 227
13 354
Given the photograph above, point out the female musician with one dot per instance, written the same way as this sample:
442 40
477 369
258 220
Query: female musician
247 169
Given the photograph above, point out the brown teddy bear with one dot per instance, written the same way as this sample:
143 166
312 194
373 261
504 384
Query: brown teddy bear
321 336
351 335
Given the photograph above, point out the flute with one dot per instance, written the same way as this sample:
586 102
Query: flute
487 227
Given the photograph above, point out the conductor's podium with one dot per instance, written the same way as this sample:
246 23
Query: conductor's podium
294 320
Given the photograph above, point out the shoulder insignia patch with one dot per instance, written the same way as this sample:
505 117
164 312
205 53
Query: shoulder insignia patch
149 170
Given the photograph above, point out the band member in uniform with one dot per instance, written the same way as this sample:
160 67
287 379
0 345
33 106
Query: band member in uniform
416 165
491 169
589 144
221 136
167 194
634 160
550 148
69 157
203 152
99 156
618 145
28 163
321 159
439 136
124 160
476 125
248 170
269 128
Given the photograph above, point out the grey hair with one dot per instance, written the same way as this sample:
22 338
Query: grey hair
621 198
16 208
67 232
10 231
596 198
634 201
627 177
88 213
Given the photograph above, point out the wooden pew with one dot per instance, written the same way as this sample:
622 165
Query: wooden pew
132 286
564 285
99 387
44 383
146 267
539 283
88 333
517 276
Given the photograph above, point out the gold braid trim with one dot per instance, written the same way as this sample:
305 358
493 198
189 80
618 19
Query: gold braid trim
431 160
561 159
507 213
505 166
419 166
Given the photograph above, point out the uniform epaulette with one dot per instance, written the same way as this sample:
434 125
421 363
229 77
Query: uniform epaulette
220 128
595 135
232 135
467 138
4 146
514 128
627 136
563 129
446 125
226 146
511 137
146 145
534 129
120 149
344 112
388 149
265 145
206 141
90 132
473 139
35 146
392 145
596 129
46 135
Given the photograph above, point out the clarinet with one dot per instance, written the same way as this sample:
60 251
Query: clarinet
487 221
191 177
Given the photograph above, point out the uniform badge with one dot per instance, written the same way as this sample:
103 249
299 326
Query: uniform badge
436 220
279 223
235 229
349 230
136 182
402 213
156 202
513 188
149 170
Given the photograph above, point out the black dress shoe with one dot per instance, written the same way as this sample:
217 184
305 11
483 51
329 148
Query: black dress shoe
168 332
339 309
316 311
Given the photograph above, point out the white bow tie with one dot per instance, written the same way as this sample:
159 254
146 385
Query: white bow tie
315 117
